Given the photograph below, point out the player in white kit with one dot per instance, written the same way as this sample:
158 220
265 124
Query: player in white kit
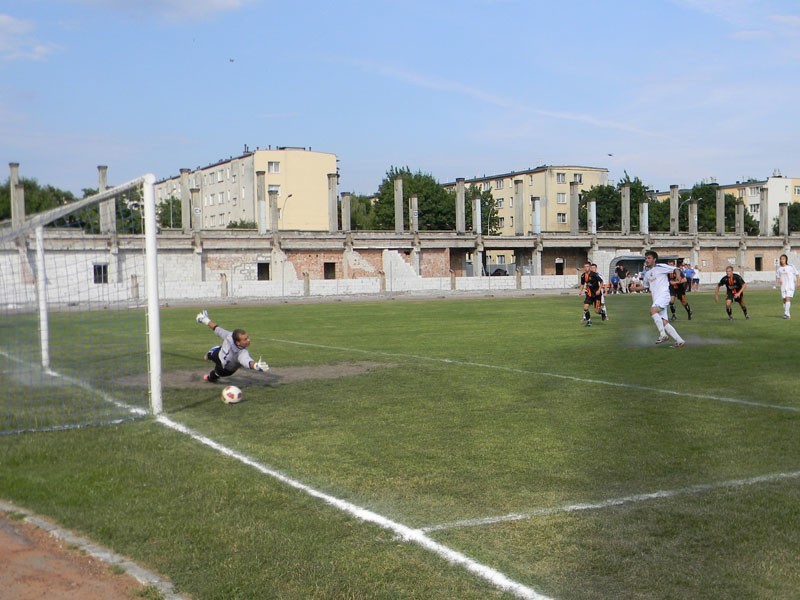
656 277
787 277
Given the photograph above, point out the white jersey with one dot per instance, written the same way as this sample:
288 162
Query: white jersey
230 355
657 279
788 276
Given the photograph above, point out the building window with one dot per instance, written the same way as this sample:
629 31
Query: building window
561 178
510 203
561 198
499 203
220 176
797 190
498 184
501 222
510 221
100 273
486 186
577 178
329 270
263 271
759 263
561 218
501 259
233 201
754 208
273 166
753 191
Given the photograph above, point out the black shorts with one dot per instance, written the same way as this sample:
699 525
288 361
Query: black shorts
677 290
592 299
739 299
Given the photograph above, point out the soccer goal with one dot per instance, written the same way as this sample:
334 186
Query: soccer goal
79 313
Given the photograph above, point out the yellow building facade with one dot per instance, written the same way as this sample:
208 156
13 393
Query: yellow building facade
226 191
548 187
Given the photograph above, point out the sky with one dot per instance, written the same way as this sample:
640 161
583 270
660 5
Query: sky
669 91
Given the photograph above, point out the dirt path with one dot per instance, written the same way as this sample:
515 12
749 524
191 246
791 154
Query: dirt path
34 564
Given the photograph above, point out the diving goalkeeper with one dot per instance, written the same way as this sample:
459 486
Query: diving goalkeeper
232 354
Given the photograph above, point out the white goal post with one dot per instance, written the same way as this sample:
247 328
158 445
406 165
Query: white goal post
97 356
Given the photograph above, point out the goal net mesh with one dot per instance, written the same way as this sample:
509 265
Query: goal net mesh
73 350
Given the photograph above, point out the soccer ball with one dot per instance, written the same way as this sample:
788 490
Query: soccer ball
231 395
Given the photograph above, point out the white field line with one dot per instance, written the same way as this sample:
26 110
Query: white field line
464 363
692 489
406 533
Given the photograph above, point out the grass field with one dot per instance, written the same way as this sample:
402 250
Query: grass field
509 450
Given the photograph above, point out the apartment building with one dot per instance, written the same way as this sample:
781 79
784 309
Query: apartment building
226 191
774 190
547 187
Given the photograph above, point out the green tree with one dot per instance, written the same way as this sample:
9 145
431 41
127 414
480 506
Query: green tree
608 204
362 212
706 196
242 224
794 220
38 198
436 207
168 214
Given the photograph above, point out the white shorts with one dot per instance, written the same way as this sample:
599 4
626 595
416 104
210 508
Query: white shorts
787 291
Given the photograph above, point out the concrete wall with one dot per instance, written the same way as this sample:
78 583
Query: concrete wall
226 265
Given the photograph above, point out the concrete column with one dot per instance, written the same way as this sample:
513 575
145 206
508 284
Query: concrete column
398 205
740 217
17 205
477 225
333 202
346 214
693 216
783 219
591 217
625 208
108 218
741 257
537 215
197 210
536 260
416 255
274 214
186 201
477 260
19 198
519 209
720 211
764 224
414 214
261 201
573 207
644 217
673 210
461 219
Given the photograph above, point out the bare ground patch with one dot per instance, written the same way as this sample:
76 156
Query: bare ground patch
248 379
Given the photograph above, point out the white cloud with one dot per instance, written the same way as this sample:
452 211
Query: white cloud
445 85
171 10
17 43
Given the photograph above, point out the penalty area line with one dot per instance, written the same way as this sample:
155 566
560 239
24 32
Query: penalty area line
488 574
630 386
693 489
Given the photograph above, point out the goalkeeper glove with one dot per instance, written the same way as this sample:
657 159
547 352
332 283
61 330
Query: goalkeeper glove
202 317
260 365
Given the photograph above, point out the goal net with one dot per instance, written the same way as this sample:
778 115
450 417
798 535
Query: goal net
79 313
